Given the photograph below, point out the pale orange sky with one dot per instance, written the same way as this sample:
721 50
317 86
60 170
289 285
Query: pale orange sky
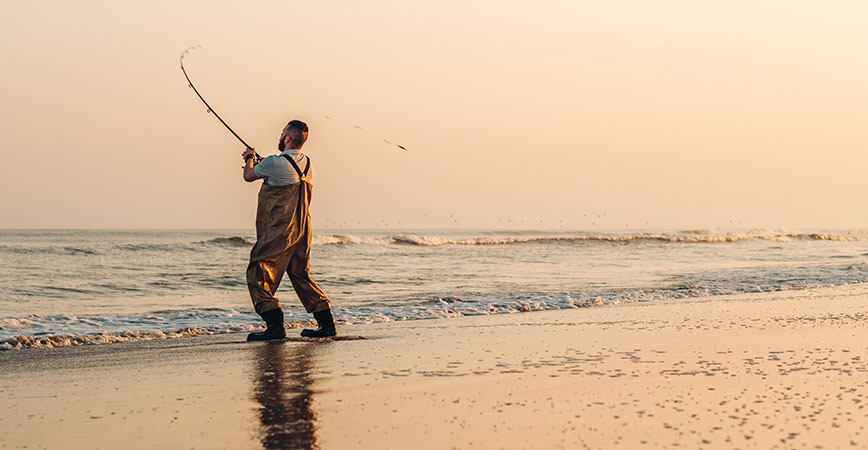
667 114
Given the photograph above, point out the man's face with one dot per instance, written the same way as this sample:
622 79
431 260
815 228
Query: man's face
284 136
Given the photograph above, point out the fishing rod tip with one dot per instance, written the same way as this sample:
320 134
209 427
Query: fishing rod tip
190 49
396 145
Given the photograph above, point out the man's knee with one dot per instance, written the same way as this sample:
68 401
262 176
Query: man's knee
299 268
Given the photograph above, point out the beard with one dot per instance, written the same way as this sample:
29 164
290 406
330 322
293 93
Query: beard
281 145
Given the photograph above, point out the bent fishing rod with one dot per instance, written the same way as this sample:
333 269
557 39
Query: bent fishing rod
210 109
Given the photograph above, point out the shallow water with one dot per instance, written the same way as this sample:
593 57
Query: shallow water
73 287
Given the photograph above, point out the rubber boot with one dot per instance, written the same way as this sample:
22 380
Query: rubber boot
273 327
326 325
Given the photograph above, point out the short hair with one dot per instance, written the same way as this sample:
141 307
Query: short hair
298 125
297 132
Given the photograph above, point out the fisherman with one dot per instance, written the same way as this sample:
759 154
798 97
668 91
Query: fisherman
283 235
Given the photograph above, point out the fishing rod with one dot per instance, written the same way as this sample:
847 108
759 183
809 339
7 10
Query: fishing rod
210 110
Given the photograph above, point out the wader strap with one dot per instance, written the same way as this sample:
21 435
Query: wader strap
301 175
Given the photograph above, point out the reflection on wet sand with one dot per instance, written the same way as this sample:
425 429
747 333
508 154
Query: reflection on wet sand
282 386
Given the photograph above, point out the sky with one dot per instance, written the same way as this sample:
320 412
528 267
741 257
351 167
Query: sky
581 115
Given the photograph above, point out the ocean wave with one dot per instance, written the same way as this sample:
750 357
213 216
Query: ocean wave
434 240
152 247
232 241
345 239
48 250
683 237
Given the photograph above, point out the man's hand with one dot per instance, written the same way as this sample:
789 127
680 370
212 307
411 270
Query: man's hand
250 159
249 152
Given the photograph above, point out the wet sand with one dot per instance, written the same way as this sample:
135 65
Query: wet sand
779 370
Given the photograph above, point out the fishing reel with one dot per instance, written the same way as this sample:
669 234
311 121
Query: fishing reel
255 157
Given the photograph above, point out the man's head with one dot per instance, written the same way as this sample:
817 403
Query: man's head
293 136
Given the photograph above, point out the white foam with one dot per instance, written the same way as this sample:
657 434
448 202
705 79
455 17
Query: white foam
15 322
72 340
326 239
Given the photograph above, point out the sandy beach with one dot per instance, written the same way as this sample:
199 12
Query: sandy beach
774 370
549 225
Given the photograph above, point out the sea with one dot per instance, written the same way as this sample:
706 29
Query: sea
63 288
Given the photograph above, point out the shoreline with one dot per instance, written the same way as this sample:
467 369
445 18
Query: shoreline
773 370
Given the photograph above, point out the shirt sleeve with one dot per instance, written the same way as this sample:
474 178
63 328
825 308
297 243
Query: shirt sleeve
265 168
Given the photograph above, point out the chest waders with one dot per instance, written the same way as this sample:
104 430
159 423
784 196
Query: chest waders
283 239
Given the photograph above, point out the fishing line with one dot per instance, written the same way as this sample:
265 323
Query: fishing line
359 127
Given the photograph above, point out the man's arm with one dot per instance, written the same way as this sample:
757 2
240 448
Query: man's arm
249 173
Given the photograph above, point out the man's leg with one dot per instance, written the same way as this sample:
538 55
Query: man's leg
263 278
312 297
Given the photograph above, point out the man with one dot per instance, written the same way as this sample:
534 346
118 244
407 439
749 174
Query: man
283 235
